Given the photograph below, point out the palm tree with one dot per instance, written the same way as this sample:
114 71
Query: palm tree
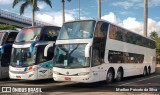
33 4
154 35
145 17
63 12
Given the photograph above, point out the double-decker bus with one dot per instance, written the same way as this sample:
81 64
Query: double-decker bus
7 38
32 53
96 50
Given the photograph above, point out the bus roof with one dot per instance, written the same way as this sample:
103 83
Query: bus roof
110 23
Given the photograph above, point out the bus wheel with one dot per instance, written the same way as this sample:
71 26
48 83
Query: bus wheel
149 70
119 75
145 71
110 76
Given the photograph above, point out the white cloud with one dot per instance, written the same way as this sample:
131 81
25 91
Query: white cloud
129 23
55 18
137 26
133 24
110 17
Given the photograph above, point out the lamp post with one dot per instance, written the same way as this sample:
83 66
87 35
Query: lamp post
99 9
63 12
145 17
79 9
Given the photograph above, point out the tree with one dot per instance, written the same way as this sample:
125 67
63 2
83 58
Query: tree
154 35
33 3
63 12
7 27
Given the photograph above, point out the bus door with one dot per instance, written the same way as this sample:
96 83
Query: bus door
98 50
44 62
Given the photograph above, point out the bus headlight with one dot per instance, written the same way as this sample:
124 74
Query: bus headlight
83 73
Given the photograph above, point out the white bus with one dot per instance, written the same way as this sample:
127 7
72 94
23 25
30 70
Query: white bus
32 53
96 50
7 38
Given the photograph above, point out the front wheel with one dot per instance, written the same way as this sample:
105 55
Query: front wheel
110 77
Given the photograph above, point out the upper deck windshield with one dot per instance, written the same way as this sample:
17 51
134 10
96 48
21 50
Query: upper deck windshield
1 37
28 34
77 30
71 56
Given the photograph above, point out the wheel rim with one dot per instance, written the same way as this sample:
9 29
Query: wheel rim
119 75
144 73
109 77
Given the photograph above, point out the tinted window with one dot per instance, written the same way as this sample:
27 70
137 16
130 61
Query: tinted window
123 35
11 37
40 54
124 57
50 34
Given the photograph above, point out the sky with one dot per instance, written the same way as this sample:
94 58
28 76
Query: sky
126 13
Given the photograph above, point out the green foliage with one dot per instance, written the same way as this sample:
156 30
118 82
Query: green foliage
154 36
7 27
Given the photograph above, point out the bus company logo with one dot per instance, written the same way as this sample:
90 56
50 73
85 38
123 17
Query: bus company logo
43 71
6 89
67 73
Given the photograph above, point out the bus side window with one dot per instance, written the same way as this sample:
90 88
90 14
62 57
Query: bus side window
40 54
6 56
11 37
95 57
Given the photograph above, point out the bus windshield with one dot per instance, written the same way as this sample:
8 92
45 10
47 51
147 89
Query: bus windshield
71 56
22 57
1 37
28 34
77 30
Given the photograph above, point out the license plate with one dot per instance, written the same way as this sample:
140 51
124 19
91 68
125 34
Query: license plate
18 77
68 78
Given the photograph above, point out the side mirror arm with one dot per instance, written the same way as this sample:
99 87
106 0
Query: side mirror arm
47 47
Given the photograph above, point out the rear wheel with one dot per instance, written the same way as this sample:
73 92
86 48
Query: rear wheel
109 77
149 71
119 75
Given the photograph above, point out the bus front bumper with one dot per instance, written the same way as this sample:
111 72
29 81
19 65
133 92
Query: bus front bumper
82 79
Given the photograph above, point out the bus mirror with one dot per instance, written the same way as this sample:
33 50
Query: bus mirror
47 47
87 49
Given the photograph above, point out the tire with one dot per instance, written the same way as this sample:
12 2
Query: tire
149 71
109 77
119 76
145 71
